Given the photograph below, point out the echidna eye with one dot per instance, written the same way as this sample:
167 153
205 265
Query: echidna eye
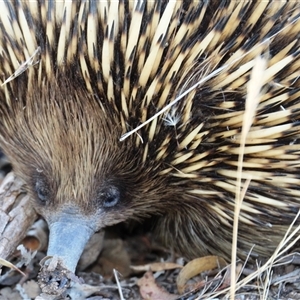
42 191
110 197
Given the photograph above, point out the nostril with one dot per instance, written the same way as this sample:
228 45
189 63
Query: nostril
54 282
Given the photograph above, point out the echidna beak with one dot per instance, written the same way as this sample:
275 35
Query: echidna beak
67 240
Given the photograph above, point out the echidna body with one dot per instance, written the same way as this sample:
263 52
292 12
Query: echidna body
76 75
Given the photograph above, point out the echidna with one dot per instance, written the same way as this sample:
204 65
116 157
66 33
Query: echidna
77 75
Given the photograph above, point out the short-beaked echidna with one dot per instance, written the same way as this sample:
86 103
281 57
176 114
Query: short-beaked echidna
76 75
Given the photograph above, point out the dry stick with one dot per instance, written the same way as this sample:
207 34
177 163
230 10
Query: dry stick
16 214
253 96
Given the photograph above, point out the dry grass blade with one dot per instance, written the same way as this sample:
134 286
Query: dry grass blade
116 274
252 101
10 265
264 271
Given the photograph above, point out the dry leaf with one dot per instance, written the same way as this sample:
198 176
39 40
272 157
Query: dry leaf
37 236
196 267
31 288
149 290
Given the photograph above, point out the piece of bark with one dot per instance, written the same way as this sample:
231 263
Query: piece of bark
16 214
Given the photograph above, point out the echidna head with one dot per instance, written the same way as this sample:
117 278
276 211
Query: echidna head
66 148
